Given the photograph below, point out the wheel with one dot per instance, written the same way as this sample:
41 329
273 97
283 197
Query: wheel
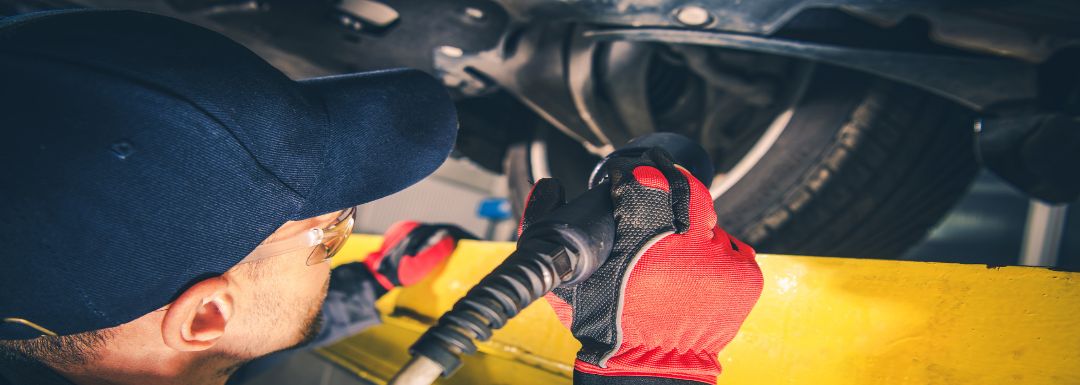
855 166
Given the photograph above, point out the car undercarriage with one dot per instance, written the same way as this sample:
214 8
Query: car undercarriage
837 127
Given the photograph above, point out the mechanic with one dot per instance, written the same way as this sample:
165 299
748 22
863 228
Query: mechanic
170 201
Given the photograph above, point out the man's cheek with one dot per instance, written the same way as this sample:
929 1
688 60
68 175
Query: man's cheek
325 288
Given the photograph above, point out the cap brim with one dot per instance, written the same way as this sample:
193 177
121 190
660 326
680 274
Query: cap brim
387 130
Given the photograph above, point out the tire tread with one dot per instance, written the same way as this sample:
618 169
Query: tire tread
895 167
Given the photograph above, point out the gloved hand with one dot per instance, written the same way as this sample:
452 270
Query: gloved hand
675 289
410 250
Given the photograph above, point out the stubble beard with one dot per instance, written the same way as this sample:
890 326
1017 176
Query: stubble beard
313 326
309 330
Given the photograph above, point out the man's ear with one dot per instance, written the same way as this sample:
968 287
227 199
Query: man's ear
196 319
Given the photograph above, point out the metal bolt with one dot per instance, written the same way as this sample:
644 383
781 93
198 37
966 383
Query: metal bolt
693 15
451 51
474 13
349 22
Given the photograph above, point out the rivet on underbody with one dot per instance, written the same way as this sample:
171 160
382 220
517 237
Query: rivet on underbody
474 13
451 51
693 15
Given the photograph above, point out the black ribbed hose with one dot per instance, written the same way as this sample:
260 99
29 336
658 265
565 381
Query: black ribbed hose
523 278
563 248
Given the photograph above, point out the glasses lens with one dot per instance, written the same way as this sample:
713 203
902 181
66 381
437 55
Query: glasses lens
334 238
318 255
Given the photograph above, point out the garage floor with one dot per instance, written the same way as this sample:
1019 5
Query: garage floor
987 226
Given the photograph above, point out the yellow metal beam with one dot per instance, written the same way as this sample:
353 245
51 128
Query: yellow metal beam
819 321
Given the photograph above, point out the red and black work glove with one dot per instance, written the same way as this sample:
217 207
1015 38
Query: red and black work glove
675 289
410 250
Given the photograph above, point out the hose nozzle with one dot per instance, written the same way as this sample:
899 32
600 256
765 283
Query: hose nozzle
563 248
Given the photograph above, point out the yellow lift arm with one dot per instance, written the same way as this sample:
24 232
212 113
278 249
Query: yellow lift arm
819 321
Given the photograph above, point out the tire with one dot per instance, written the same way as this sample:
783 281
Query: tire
864 167
528 161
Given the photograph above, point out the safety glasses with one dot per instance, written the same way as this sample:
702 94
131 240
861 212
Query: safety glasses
326 241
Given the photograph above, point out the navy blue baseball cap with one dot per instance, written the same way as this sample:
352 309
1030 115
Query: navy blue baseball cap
142 154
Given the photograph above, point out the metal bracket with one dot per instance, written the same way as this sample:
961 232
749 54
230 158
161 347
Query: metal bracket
976 82
1042 234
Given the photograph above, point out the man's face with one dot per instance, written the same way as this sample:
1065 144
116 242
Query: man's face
282 297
